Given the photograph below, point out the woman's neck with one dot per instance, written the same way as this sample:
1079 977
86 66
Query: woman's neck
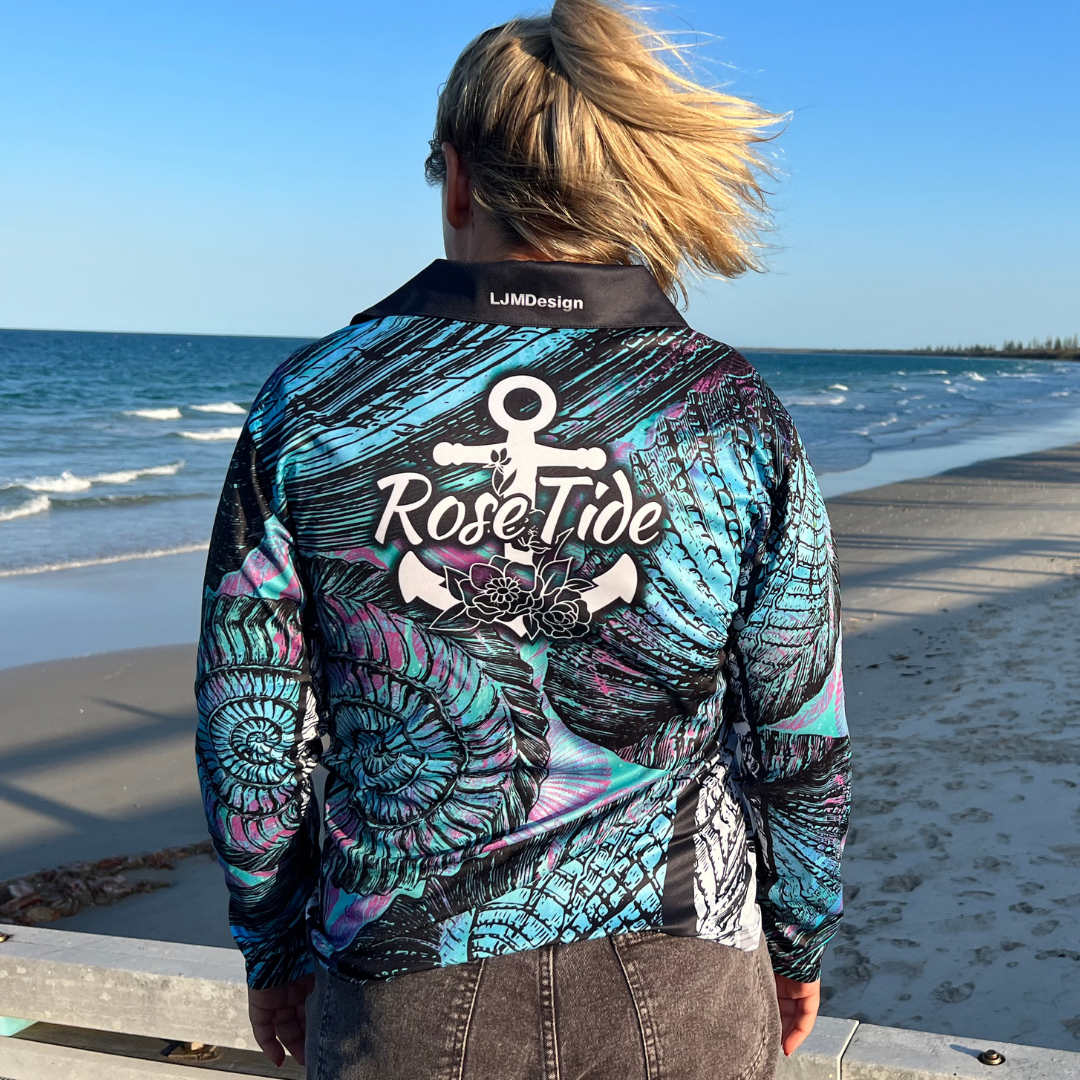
480 239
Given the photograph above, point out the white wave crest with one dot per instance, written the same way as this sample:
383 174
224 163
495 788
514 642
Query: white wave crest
32 506
155 553
229 407
217 435
171 413
821 399
68 481
838 386
974 376
869 429
125 476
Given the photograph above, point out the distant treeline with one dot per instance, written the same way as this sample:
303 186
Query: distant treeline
1067 348
1050 349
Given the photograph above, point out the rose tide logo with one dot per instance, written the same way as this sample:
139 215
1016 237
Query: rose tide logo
530 587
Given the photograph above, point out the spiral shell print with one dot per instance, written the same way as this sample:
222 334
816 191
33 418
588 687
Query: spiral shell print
249 748
428 759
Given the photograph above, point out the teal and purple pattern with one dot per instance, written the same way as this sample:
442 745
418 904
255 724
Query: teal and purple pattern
615 707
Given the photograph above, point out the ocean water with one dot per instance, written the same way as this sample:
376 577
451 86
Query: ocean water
115 445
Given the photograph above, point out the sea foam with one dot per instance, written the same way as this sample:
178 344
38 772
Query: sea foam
171 413
823 399
65 482
68 482
216 435
108 560
229 407
125 476
32 506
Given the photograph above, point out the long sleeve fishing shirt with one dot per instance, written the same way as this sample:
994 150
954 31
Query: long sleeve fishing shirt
542 579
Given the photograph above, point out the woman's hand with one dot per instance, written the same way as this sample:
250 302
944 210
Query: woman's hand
277 1018
798 1010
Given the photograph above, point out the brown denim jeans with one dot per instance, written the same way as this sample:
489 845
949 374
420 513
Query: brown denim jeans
644 1006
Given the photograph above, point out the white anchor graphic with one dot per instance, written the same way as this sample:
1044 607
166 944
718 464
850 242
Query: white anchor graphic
415 580
525 454
523 457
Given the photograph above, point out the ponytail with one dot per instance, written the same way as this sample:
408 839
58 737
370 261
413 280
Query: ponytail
583 142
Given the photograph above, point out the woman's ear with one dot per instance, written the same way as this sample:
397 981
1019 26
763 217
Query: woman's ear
458 189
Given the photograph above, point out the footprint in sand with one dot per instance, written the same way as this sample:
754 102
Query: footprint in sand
947 994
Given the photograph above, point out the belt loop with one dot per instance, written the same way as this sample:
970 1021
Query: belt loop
546 958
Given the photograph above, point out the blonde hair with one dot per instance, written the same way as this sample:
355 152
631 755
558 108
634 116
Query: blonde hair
581 140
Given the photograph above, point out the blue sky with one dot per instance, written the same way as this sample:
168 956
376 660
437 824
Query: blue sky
241 167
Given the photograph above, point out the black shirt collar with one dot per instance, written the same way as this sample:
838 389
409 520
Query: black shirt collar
532 294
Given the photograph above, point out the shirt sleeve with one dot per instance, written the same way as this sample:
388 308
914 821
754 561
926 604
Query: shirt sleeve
787 684
257 737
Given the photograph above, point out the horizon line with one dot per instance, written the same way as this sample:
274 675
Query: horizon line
921 350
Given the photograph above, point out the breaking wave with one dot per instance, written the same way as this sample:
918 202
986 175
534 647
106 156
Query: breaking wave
820 399
216 435
229 407
33 506
68 482
171 413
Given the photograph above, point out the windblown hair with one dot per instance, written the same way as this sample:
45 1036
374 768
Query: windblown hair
581 140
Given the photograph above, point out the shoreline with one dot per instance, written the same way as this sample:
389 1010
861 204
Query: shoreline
104 560
886 466
152 597
924 462
100 608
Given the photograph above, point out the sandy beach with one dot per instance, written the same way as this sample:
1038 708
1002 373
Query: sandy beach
962 617
98 762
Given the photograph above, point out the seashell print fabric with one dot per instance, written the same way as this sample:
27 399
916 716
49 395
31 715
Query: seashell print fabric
556 609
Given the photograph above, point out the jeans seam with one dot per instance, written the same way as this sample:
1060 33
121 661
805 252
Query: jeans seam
753 1071
546 957
769 987
320 1042
468 1020
641 1011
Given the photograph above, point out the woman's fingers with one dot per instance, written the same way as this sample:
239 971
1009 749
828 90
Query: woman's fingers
278 1018
266 1036
798 1010
291 1032
798 1025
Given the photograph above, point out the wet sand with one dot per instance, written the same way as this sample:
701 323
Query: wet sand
962 621
97 609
